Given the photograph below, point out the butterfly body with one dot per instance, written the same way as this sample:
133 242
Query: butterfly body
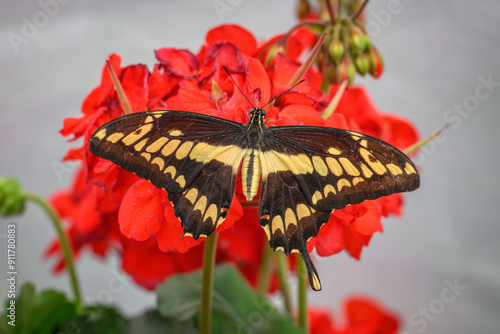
305 172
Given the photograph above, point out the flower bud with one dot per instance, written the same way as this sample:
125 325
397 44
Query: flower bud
11 199
336 50
345 71
376 62
303 9
357 40
362 64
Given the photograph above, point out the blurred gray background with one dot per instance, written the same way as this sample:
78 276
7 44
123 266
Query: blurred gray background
438 55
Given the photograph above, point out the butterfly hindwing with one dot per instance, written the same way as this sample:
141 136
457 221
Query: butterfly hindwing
285 213
194 157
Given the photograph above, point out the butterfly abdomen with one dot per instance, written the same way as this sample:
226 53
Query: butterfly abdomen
250 173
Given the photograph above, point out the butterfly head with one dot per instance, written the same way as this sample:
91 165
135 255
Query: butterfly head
257 115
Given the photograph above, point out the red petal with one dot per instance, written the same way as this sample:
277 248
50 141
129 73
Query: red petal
297 114
134 83
330 239
320 321
172 238
369 223
180 63
234 33
141 212
257 83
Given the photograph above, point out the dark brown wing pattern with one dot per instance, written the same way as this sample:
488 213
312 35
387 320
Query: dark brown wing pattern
194 157
309 171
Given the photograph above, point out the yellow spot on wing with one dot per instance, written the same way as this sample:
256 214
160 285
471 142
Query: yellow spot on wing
395 170
343 183
201 204
349 167
334 151
139 133
146 156
334 166
114 137
170 147
409 169
329 189
184 150
175 133
316 197
211 213
171 170
356 180
158 161
320 166
302 211
100 134
192 195
156 145
374 163
277 224
367 172
315 282
290 218
140 145
181 181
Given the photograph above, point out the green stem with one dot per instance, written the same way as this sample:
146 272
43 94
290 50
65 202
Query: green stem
66 247
207 284
263 283
302 276
283 274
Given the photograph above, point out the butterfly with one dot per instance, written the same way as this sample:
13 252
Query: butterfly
305 172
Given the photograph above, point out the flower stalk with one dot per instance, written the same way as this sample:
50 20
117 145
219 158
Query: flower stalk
207 284
63 239
263 283
302 277
283 274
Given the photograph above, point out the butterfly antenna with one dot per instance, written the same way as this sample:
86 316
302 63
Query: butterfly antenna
289 89
224 67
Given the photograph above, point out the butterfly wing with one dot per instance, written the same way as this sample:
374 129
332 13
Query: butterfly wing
309 171
194 157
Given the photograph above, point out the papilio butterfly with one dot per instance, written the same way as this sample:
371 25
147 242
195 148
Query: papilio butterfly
306 171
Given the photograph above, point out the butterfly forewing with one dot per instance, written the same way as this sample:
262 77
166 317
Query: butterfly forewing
194 157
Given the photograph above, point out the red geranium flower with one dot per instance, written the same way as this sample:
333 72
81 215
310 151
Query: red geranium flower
108 207
363 316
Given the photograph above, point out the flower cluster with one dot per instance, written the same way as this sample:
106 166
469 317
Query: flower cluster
362 315
108 208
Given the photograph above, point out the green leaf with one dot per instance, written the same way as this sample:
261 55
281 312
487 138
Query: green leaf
37 313
50 312
152 322
236 307
97 320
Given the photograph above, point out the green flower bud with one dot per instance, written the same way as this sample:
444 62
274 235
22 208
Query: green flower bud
11 199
